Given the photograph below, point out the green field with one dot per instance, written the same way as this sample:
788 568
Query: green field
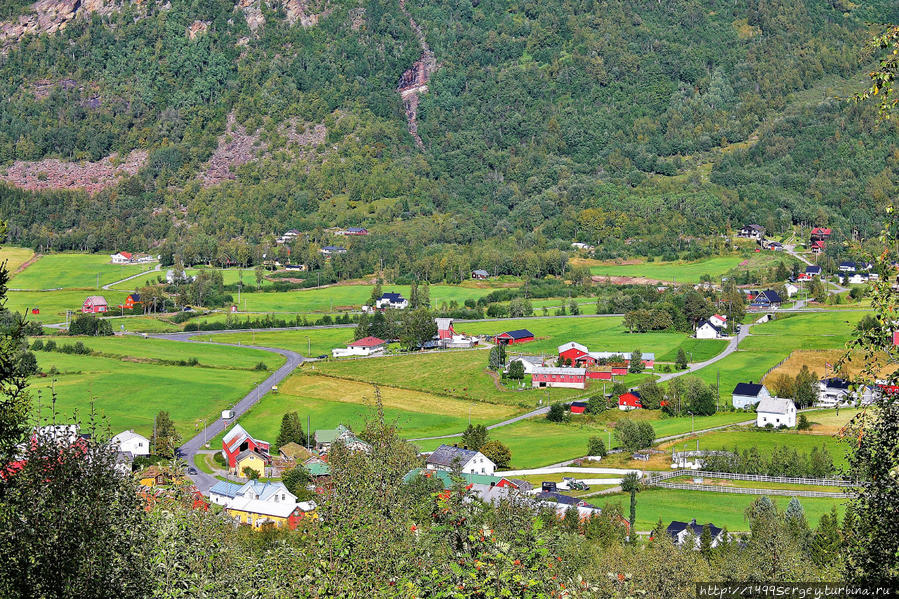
53 304
536 442
15 257
329 402
598 334
218 356
764 440
456 373
721 509
73 271
308 342
130 393
680 271
344 297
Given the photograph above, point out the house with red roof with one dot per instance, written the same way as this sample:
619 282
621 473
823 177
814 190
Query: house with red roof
122 258
629 401
821 234
366 346
238 441
95 304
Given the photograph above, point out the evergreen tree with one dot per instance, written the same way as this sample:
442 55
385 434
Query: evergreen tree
556 413
474 436
681 361
376 293
630 483
636 362
166 438
516 370
291 430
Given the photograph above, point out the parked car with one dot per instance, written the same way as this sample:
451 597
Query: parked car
549 487
192 470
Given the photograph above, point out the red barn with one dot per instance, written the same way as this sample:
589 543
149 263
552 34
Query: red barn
238 440
578 407
604 375
575 352
574 378
95 304
445 328
629 401
512 337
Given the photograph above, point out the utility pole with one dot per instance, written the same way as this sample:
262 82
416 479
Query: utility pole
98 280
308 428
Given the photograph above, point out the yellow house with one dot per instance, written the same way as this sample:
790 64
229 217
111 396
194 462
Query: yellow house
261 504
251 460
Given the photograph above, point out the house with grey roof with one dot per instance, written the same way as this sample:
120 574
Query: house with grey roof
776 411
681 532
450 457
748 394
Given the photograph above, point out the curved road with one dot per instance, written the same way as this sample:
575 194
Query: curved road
189 449
108 286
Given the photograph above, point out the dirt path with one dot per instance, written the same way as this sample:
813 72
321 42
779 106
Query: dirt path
28 263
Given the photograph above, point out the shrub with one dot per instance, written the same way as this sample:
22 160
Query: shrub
803 424
259 366
50 345
596 447
38 345
556 413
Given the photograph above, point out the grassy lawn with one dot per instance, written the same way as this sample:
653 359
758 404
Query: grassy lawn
598 334
764 440
53 304
15 257
161 349
144 324
721 509
536 442
130 394
73 271
345 297
459 374
321 341
681 271
329 402
748 484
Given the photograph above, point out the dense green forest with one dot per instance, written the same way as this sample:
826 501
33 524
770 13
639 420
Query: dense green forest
622 123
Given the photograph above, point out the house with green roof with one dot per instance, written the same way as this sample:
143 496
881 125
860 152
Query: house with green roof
324 438
445 477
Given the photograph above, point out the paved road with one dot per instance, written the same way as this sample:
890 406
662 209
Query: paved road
732 346
140 274
192 446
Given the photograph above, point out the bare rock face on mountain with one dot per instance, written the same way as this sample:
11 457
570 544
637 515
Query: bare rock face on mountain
50 16
57 174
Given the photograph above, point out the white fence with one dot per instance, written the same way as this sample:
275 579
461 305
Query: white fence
662 480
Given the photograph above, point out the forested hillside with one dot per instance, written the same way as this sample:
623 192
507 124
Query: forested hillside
192 122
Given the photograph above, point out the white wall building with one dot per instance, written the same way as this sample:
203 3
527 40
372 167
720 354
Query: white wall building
131 442
449 457
776 411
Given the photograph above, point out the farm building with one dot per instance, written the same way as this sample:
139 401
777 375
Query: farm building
752 232
573 378
579 354
629 401
480 274
325 438
578 407
512 337
529 362
705 329
776 411
366 346
718 320
448 337
470 479
95 304
122 258
605 373
392 300
330 250
450 457
748 394
680 532
239 440
249 460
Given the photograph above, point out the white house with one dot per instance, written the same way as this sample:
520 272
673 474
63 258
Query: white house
858 278
776 411
748 394
791 289
530 362
122 258
718 320
752 232
366 346
448 337
706 330
392 300
450 457
680 532
131 442
582 246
